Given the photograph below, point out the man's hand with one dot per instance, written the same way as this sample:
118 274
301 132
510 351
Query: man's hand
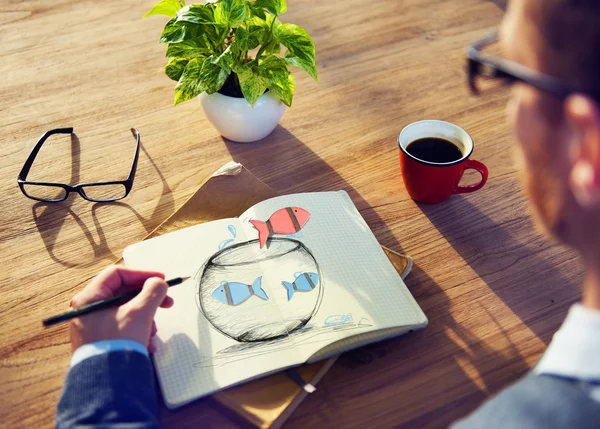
133 320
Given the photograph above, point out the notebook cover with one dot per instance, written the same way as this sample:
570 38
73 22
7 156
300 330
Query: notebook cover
269 401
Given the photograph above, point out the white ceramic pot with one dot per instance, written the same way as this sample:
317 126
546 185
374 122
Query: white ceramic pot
236 120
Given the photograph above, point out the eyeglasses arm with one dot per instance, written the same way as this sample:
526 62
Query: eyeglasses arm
484 64
486 40
136 134
29 162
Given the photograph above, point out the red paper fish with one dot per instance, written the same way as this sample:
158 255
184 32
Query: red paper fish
285 221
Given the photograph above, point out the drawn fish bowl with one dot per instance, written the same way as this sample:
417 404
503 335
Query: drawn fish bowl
251 294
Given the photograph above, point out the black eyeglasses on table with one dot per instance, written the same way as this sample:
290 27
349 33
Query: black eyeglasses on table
54 192
487 71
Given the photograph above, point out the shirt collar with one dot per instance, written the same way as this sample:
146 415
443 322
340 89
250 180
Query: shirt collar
575 349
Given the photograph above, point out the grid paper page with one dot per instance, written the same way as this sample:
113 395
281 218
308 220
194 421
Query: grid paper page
358 279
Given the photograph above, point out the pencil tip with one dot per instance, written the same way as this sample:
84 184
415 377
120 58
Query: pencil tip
185 278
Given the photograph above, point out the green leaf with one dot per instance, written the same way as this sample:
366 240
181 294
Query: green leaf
197 14
188 48
272 64
308 67
171 31
165 7
273 22
175 32
231 13
246 40
270 42
272 46
284 89
281 81
190 85
252 84
301 49
276 7
253 10
212 75
215 35
266 24
226 60
175 67
271 38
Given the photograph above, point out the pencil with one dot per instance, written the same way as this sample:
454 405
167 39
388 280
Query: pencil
103 304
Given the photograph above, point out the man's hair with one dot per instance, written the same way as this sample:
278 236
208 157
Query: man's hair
571 36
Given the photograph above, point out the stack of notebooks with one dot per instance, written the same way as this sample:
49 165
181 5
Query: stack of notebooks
279 283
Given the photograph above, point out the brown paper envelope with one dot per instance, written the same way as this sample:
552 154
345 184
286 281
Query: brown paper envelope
266 402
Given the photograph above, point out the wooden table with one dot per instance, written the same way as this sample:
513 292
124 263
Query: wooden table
494 290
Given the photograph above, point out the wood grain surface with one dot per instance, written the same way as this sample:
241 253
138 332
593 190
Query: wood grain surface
493 288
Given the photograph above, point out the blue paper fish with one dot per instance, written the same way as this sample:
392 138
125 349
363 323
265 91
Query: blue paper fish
234 293
304 282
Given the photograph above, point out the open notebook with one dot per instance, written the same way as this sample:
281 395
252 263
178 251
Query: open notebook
294 279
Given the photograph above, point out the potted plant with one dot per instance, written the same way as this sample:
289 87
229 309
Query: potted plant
229 53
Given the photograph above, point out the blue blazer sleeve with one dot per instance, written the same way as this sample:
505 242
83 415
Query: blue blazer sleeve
537 401
112 390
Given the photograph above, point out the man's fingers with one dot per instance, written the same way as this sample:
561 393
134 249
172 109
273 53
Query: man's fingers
77 300
149 299
88 295
167 302
111 281
116 277
153 331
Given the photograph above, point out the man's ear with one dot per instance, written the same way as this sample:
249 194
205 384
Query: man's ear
583 116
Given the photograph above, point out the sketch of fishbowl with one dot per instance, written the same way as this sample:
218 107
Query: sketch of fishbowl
251 294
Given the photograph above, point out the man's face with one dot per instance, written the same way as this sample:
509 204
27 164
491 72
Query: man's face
539 127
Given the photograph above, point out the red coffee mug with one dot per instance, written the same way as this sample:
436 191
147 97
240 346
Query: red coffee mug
430 182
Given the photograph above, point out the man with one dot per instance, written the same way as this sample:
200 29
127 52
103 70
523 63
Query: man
558 131
110 383
558 134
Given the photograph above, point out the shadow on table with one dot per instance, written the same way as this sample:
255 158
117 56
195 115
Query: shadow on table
50 218
509 268
166 200
471 370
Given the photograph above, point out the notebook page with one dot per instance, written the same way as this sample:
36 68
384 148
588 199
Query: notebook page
361 292
193 358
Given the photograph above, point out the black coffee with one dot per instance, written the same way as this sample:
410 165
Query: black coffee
433 149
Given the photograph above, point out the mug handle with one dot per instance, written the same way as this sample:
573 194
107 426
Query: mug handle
471 164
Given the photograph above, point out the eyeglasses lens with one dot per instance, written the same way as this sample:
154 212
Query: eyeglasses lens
45 192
